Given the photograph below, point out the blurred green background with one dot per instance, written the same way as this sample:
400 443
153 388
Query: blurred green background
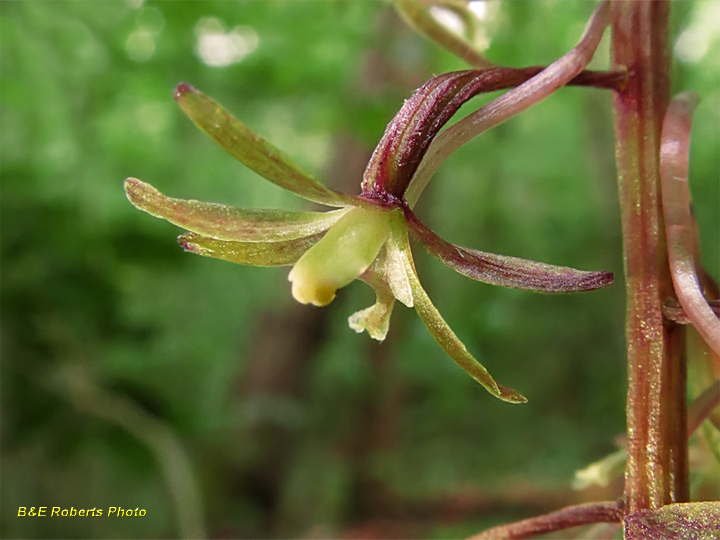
137 376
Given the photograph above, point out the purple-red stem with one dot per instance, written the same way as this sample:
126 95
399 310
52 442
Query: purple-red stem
656 472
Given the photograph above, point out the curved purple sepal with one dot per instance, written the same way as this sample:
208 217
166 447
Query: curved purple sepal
507 271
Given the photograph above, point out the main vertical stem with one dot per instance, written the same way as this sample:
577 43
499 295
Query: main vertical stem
656 471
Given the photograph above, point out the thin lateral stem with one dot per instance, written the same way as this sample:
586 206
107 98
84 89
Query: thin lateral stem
656 472
565 518
557 75
675 312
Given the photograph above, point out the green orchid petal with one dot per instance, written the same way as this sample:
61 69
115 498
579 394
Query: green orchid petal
226 222
252 150
437 326
506 271
283 253
375 319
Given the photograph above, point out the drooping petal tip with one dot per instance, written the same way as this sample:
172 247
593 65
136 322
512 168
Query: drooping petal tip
436 325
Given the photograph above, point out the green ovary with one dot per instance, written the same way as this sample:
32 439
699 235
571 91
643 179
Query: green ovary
345 252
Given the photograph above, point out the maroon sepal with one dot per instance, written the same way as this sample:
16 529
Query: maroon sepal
503 270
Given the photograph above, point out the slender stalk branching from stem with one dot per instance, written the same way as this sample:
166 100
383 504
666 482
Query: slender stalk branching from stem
515 101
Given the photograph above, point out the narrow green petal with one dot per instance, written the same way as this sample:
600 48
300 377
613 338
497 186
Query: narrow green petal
375 319
252 150
437 326
227 222
283 253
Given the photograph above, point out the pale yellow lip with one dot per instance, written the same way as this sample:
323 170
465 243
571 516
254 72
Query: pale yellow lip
307 292
341 256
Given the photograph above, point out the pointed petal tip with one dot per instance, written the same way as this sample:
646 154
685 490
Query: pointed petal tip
439 329
587 281
510 396
183 89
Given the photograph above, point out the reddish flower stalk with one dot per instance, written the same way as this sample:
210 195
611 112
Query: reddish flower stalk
555 76
656 472
678 218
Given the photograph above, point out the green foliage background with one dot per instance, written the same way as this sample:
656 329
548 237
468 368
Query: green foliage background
293 424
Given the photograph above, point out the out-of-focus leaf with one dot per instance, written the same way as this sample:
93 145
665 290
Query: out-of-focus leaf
252 150
227 222
437 326
419 17
281 253
507 271
602 472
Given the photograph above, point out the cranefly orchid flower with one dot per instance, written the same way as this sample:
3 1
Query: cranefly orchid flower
367 237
